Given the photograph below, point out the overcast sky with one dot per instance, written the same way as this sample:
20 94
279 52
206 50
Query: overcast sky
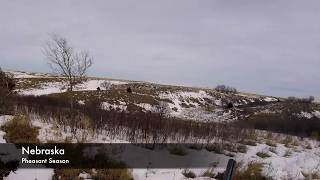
261 46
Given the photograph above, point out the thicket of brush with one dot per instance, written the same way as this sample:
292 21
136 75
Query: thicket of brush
156 127
142 127
287 120
20 130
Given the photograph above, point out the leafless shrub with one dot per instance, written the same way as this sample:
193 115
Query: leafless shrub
273 150
288 153
189 174
140 127
253 171
106 85
129 90
310 99
20 130
162 108
209 173
263 154
286 121
226 89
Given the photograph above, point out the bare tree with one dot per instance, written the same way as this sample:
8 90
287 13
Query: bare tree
64 60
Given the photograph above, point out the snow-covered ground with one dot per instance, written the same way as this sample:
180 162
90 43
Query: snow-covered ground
20 74
60 87
285 162
270 99
121 106
309 115
180 97
146 107
31 174
45 89
3 120
280 164
192 105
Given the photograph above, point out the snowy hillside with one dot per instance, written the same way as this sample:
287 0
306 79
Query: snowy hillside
182 102
278 156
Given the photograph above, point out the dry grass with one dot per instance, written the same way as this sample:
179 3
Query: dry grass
114 96
27 83
312 175
252 172
209 173
287 141
99 174
273 150
263 155
315 135
271 143
20 130
113 174
248 142
288 153
188 174
308 146
64 174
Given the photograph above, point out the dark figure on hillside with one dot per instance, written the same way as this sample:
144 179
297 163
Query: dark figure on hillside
129 90
11 86
98 89
230 105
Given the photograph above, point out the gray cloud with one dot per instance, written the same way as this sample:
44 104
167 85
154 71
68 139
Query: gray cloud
269 47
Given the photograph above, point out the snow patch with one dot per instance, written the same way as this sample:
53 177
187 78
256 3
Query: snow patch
305 115
309 115
84 175
316 114
145 106
279 166
81 102
91 85
270 99
38 174
195 102
121 106
20 75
